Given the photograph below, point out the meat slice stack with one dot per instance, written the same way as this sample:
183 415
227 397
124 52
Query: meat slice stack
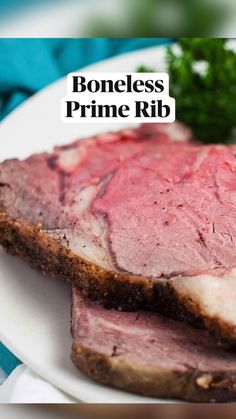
141 219
150 354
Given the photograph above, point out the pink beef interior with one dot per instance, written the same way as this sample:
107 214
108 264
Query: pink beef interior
146 339
134 201
172 210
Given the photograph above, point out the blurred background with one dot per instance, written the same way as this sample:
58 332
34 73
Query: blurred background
117 411
117 18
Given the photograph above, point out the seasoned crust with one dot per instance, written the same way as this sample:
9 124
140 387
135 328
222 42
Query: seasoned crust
224 332
191 386
112 289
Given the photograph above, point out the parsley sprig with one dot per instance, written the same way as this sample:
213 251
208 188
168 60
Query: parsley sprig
203 81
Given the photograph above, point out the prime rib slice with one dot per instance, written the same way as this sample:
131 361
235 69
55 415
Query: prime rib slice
137 219
149 354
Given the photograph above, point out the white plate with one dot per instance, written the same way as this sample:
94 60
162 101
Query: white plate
35 311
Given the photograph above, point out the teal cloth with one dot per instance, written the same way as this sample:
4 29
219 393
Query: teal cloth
28 65
7 7
8 361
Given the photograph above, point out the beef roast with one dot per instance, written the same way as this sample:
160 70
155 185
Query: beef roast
137 219
150 354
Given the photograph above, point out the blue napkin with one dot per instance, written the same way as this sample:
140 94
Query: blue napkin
8 7
27 65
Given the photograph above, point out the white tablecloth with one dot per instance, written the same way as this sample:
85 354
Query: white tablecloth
2 376
24 386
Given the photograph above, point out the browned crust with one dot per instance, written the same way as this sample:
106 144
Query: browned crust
224 332
193 385
112 289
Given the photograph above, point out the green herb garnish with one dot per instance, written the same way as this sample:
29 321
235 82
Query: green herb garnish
145 69
203 82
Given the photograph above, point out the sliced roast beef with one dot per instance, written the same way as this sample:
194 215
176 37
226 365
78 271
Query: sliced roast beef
150 354
142 218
